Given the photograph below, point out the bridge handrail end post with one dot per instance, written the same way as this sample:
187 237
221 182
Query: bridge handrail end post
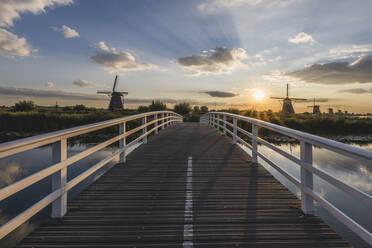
307 180
59 179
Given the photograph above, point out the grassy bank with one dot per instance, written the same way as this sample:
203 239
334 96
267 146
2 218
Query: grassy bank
15 125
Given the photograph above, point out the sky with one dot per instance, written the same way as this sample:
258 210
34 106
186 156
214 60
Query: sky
206 52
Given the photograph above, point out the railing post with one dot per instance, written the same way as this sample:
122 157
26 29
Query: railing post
162 121
59 154
122 142
224 124
156 123
306 155
235 130
254 143
144 130
218 122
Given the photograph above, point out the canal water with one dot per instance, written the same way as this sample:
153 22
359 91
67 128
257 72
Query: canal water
350 171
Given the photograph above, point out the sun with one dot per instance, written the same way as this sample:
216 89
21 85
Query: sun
258 94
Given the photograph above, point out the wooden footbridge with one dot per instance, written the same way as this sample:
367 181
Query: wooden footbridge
189 185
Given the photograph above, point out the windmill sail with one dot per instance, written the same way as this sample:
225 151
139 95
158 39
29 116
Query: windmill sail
115 83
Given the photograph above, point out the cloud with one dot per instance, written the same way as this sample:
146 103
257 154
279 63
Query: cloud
120 61
10 10
10 174
357 91
211 6
54 95
67 32
337 72
11 44
49 84
217 61
347 51
302 38
317 100
83 83
24 92
220 94
102 45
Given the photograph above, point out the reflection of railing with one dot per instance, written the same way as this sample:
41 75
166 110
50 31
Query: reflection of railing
58 139
215 119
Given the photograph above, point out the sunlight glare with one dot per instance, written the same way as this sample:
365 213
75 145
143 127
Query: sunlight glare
258 95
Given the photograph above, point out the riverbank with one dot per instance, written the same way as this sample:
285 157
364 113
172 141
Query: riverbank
17 125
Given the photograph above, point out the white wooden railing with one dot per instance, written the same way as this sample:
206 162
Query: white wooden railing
220 121
58 171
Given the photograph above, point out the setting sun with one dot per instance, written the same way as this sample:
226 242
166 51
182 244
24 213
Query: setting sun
258 94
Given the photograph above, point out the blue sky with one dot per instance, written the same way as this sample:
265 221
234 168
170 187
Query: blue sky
183 50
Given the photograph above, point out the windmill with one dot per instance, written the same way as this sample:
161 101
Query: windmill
116 101
330 110
316 108
287 106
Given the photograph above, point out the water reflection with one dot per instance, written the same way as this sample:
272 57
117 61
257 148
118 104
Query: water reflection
348 170
16 167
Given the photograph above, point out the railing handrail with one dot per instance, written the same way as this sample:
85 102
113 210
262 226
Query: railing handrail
310 138
307 141
58 169
6 148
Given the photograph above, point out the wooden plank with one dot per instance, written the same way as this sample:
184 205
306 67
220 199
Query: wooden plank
142 204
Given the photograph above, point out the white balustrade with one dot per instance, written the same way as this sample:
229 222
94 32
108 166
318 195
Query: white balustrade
58 171
307 141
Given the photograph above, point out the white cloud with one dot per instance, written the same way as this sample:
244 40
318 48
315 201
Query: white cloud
119 61
83 83
67 32
49 84
10 174
217 61
11 44
10 9
217 5
347 51
302 38
102 45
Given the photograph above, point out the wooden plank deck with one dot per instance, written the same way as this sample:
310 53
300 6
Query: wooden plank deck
142 203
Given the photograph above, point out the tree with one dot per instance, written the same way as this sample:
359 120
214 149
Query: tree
204 109
157 106
67 108
79 107
182 108
142 109
24 106
196 109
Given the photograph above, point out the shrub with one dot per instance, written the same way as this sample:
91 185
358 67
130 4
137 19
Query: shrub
24 106
142 109
204 109
157 106
182 108
79 107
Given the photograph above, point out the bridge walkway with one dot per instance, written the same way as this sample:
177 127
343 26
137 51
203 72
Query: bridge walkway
188 187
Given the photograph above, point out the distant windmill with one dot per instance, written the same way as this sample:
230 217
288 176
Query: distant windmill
116 101
330 110
287 106
316 108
